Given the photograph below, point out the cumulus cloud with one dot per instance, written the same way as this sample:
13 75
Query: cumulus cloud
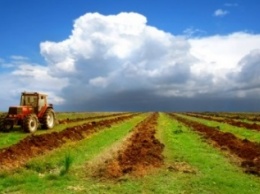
220 13
19 74
109 54
247 78
221 54
119 62
229 59
250 68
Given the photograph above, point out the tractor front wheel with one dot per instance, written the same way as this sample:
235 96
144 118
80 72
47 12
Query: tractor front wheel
30 123
48 119
8 126
2 119
5 125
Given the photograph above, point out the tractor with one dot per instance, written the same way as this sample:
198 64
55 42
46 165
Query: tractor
33 111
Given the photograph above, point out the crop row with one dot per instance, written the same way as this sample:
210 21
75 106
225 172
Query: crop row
142 151
233 122
248 151
254 117
33 145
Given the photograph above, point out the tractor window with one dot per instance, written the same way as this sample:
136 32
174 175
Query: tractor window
29 101
42 102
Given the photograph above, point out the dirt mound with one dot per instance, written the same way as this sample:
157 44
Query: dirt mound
142 152
17 155
248 151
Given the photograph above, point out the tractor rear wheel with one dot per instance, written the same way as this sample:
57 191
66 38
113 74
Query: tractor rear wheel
30 123
48 119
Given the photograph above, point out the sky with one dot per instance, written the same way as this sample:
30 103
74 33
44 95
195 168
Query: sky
132 55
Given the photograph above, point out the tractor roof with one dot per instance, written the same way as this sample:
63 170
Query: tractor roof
33 94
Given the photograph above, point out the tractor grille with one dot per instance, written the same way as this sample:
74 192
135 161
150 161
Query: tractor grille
15 110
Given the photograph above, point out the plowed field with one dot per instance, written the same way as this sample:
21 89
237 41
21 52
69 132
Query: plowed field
131 153
33 145
142 152
248 151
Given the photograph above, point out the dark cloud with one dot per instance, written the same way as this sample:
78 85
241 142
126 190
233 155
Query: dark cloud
148 101
250 68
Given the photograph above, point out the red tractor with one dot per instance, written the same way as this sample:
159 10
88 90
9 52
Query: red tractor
32 112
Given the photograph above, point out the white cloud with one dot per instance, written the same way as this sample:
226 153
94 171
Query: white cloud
249 69
221 54
36 76
231 4
118 52
19 58
111 57
191 32
98 82
220 13
26 76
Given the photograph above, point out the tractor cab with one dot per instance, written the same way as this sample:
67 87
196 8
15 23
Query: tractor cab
35 100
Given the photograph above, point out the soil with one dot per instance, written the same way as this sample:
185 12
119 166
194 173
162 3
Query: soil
141 153
229 121
247 151
34 145
248 117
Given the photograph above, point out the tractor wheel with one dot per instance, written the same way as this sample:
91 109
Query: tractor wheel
8 126
5 126
48 119
30 123
2 119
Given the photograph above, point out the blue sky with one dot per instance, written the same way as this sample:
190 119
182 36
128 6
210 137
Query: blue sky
27 23
213 46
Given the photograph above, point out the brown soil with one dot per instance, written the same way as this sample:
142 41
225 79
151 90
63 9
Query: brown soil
33 145
141 153
248 151
232 122
237 116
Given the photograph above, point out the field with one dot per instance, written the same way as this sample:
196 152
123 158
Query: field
127 152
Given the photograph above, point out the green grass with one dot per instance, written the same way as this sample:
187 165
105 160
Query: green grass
240 132
207 170
68 160
75 115
13 137
43 174
7 139
214 172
